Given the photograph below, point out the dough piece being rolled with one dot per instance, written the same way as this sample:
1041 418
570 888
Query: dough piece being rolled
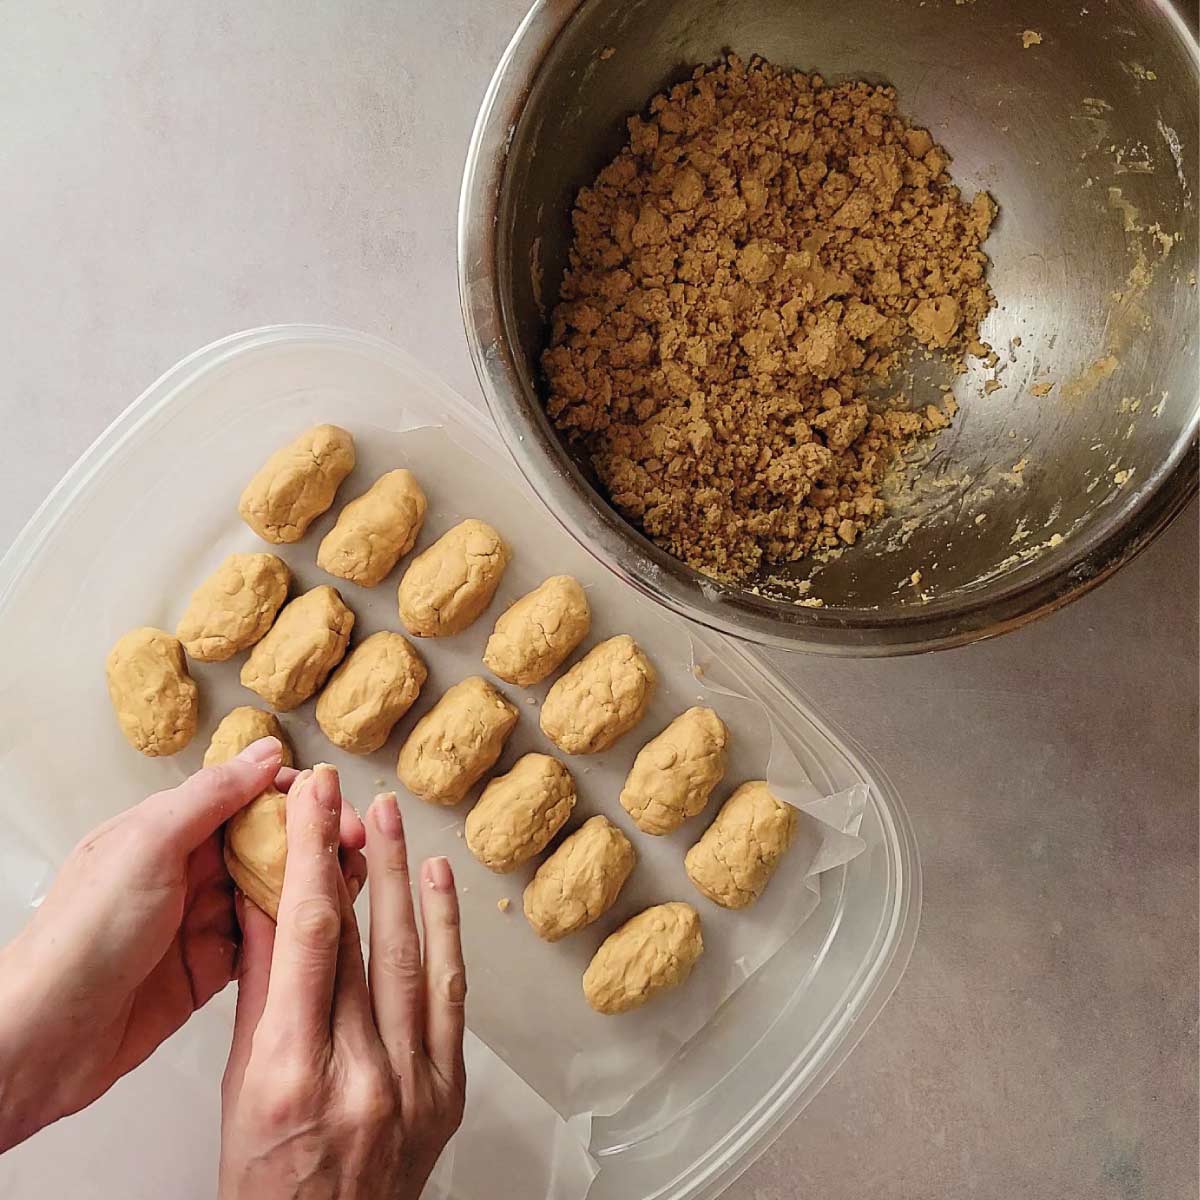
534 636
580 881
650 954
447 586
375 531
456 742
674 774
241 728
601 697
256 849
734 860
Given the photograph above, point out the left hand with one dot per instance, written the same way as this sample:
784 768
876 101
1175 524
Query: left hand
137 932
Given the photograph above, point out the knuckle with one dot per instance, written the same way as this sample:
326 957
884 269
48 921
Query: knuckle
370 1101
446 917
400 962
317 924
279 1102
395 866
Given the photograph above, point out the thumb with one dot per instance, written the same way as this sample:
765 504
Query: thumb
185 816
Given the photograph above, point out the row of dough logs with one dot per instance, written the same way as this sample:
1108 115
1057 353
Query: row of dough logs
295 646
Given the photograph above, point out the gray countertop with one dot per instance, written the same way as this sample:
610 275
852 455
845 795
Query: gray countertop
173 172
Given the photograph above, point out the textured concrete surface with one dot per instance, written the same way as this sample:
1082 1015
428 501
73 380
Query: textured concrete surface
176 172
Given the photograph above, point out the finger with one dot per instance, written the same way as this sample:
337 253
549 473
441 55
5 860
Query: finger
210 906
354 871
285 779
254 973
445 976
397 980
199 806
206 870
310 921
353 832
352 1018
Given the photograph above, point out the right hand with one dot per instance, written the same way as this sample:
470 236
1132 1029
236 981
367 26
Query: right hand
338 1086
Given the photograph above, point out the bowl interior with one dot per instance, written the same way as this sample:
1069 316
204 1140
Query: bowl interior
1087 141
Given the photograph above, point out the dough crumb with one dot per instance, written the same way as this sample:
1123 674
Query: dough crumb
1043 387
745 278
1030 38
503 904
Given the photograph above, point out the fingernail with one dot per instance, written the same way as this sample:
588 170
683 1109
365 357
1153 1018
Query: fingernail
387 816
262 751
326 784
439 874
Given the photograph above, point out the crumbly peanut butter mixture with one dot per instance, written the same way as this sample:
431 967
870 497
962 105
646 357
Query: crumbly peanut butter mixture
744 278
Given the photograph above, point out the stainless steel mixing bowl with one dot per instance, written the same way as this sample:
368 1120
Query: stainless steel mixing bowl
1088 141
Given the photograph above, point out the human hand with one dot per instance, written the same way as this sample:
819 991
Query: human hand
137 932
343 1081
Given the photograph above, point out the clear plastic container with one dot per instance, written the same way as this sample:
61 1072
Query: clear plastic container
776 1041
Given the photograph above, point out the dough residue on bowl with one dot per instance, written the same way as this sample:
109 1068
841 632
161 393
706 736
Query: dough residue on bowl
744 279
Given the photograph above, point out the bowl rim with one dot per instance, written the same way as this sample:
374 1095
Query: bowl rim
1049 584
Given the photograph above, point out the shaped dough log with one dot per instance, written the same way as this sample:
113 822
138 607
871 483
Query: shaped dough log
297 484
674 774
601 697
737 855
648 955
452 746
234 607
519 813
156 701
304 645
374 531
534 636
447 586
239 729
580 881
370 692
